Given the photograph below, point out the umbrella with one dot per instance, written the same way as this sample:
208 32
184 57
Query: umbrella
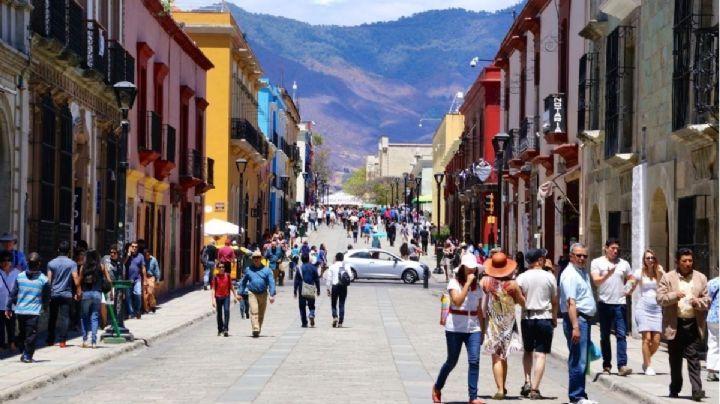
380 234
217 227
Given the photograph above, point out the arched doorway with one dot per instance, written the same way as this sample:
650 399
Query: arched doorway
594 240
659 231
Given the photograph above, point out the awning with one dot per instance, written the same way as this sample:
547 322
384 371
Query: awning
423 199
217 227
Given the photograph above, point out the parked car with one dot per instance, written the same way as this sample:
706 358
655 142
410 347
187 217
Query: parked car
373 263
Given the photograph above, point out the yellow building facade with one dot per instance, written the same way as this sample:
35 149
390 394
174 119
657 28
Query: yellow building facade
233 138
445 142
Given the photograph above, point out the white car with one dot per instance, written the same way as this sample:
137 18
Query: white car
373 263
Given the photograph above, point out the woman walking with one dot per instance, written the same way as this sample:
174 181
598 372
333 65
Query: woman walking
463 326
91 279
501 294
647 312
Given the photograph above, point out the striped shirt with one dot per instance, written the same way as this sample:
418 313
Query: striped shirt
28 293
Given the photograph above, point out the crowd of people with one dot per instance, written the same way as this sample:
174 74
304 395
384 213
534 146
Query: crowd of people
485 287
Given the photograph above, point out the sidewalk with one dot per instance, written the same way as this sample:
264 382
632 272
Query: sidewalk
54 363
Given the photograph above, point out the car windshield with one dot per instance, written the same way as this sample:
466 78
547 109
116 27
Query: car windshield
385 256
361 255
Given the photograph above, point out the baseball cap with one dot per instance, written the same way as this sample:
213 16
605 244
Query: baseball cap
469 261
256 253
535 254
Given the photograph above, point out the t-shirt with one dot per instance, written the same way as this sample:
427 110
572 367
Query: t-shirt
539 288
221 284
647 286
134 265
6 286
459 322
62 268
612 291
226 254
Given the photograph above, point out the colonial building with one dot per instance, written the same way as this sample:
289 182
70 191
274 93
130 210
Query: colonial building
78 53
446 140
241 151
14 116
649 126
168 171
394 159
304 193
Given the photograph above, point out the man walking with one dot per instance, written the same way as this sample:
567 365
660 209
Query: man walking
609 274
222 286
424 239
257 282
307 274
136 273
208 258
539 319
8 275
683 295
153 275
577 306
275 255
226 256
62 276
338 279
17 258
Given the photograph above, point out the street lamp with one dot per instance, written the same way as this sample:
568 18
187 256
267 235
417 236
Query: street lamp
418 182
241 164
500 143
125 92
438 248
397 191
306 177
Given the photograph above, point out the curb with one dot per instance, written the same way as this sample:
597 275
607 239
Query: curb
17 391
620 385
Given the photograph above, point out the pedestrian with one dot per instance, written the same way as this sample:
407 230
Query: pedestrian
538 320
448 252
111 262
648 312
8 242
404 251
520 259
424 239
63 278
208 256
713 353
136 274
683 295
275 256
500 295
153 276
354 227
337 280
8 275
375 241
91 284
577 306
226 256
609 274
307 284
463 326
322 260
29 293
258 282
222 285
391 230
415 251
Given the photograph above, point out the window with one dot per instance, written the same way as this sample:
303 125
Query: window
695 59
588 93
619 63
694 228
361 255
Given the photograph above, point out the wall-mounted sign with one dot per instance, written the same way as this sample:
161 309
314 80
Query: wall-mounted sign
253 212
554 116
219 206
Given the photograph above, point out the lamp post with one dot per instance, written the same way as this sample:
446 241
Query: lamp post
500 142
125 92
397 191
405 190
241 164
306 177
418 183
438 247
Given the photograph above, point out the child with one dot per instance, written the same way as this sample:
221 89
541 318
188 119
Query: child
222 285
29 292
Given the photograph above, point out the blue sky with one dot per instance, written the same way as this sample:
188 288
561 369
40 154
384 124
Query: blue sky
350 12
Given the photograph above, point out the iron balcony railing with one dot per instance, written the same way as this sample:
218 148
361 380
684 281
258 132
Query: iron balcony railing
97 52
49 19
242 129
514 150
619 90
527 139
168 152
76 30
192 165
588 93
705 74
151 138
210 180
121 65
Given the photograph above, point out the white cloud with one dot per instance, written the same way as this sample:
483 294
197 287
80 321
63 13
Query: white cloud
344 12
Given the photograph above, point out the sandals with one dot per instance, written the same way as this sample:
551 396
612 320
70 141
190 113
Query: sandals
535 395
436 396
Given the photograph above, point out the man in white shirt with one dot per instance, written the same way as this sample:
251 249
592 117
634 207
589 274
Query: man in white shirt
609 274
539 319
336 290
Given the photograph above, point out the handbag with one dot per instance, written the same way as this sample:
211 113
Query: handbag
307 291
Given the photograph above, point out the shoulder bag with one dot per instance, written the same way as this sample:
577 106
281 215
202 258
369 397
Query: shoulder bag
308 291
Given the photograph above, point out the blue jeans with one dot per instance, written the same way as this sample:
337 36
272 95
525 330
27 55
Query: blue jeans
612 314
302 302
134 303
454 342
577 358
90 314
209 266
337 298
222 305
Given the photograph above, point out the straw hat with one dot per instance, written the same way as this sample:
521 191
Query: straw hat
499 266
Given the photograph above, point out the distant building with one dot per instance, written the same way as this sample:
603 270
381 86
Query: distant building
446 141
394 159
372 168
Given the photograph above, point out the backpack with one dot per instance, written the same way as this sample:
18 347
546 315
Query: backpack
344 277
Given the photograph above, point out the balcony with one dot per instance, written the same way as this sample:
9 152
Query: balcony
150 139
244 134
191 169
528 146
121 65
513 152
96 58
166 163
209 182
59 25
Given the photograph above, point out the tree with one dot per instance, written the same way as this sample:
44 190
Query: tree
355 185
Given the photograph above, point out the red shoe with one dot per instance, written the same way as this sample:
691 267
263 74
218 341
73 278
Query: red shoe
476 401
436 396
62 344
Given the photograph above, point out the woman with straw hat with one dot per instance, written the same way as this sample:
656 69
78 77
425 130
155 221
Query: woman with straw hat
501 294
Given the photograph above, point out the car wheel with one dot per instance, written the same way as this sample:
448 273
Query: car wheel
409 276
354 275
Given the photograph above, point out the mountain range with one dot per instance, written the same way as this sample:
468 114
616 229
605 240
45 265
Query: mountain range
361 82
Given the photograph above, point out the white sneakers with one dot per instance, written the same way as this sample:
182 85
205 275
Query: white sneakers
586 401
649 371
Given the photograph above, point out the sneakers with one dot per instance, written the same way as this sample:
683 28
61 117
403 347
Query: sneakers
84 344
586 401
606 371
525 390
624 371
339 325
225 334
255 334
535 395
312 322
712 377
26 359
649 371
93 346
698 395
219 333
436 396
335 323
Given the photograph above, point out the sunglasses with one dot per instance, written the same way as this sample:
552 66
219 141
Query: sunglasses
582 256
650 258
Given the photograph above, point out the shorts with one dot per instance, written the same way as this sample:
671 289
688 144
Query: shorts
537 335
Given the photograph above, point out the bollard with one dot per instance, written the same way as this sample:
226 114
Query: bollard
426 277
